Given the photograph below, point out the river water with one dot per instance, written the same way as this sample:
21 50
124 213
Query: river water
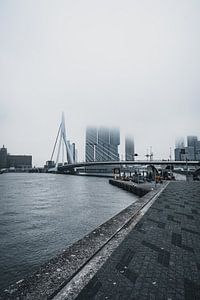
42 214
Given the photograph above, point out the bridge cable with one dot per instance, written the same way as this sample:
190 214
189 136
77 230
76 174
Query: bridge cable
55 142
101 148
58 154
104 147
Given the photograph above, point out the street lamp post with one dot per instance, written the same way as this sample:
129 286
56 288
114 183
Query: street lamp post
135 154
170 158
151 153
187 179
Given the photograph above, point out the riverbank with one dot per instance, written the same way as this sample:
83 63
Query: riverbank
150 250
42 214
59 271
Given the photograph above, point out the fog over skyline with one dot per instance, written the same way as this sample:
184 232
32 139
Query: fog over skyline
129 64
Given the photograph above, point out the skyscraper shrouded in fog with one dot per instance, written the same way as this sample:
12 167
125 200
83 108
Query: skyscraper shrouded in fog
114 142
180 143
129 148
192 141
74 152
102 148
90 143
102 144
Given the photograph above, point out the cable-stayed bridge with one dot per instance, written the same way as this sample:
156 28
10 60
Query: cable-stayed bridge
63 147
65 161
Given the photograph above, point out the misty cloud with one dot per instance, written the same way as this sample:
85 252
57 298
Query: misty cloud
132 64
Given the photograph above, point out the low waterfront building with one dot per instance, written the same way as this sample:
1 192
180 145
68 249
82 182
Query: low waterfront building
20 162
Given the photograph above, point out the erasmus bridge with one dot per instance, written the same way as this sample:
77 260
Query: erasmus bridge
65 160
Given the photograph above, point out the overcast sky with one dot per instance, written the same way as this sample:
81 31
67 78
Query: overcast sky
132 63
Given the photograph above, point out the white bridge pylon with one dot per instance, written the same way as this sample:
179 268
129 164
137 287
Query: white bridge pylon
63 145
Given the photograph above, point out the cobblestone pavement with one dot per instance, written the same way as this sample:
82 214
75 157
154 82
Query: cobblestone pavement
160 257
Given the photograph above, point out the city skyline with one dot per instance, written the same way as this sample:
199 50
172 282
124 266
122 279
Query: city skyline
101 144
133 65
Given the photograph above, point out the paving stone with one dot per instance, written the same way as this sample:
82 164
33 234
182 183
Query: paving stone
191 290
190 231
160 257
91 290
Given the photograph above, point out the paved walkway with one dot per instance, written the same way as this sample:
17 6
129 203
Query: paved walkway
160 258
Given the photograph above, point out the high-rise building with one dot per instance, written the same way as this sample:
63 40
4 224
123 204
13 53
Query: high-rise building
129 148
76 155
90 143
115 136
198 151
102 147
177 154
102 144
190 152
114 142
192 142
180 143
73 151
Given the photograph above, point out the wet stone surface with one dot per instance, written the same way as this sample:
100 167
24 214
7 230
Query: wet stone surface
160 257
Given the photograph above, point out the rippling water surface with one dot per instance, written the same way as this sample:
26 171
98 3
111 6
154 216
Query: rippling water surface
41 214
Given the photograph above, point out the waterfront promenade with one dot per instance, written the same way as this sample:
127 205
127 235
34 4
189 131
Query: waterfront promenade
150 250
160 257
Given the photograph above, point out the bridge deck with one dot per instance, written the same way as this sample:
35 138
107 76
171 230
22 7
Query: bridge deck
121 163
